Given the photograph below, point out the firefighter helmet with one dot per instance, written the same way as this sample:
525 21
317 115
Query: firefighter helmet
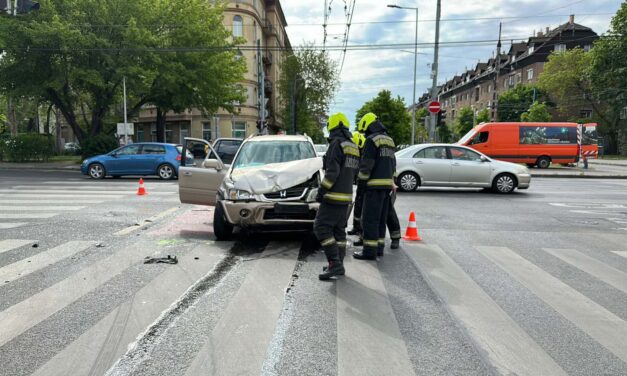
365 122
338 120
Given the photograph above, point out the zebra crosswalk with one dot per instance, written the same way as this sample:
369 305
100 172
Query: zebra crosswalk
22 205
263 308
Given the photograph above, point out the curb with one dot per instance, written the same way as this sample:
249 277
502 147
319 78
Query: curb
574 176
55 168
608 164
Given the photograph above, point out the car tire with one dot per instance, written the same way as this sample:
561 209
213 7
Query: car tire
504 183
408 182
96 171
166 172
222 229
543 162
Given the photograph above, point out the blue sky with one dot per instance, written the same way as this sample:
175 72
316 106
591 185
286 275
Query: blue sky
365 73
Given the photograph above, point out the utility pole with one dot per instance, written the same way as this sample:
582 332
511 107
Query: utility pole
434 70
262 90
293 107
495 98
125 115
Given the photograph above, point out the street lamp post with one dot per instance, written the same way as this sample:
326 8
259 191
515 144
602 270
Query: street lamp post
413 103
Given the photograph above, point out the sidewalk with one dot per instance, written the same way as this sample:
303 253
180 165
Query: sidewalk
594 171
62 166
608 162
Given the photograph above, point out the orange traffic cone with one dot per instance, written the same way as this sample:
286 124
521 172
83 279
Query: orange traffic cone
412 231
141 191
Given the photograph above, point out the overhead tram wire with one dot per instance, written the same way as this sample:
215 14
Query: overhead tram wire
348 29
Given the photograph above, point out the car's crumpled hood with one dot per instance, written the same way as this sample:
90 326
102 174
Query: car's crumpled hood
275 176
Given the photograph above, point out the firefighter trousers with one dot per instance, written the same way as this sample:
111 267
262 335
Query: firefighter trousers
374 219
394 226
359 203
330 229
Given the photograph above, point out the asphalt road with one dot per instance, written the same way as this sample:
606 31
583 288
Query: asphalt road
530 283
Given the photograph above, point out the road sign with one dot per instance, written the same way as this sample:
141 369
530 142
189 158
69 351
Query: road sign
434 107
129 129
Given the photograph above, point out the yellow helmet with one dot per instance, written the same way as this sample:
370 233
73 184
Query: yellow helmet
365 122
338 120
359 139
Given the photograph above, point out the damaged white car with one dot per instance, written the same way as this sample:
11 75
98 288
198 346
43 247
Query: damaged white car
271 185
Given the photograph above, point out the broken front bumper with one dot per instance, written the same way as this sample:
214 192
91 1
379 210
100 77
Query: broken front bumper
254 213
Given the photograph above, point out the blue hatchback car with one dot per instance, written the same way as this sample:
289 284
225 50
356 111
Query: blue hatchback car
147 158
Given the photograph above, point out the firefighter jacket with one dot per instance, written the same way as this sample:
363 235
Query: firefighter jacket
341 164
378 164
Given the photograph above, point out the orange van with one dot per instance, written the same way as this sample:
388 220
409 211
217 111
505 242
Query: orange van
536 144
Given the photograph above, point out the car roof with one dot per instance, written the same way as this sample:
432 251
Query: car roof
278 138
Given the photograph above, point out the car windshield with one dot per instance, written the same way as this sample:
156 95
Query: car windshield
265 152
467 136
320 148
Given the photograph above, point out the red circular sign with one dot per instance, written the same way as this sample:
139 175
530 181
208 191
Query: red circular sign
434 107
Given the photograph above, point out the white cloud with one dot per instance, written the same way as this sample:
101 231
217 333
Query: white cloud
365 73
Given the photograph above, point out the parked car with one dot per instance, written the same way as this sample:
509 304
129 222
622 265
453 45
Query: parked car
71 147
445 165
271 183
143 159
321 149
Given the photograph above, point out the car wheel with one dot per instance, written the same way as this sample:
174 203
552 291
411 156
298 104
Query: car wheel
96 171
504 183
222 229
408 182
543 162
165 172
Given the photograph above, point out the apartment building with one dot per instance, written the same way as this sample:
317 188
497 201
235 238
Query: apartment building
522 63
254 20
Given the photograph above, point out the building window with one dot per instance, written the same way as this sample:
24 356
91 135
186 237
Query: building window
239 130
529 74
140 133
560 48
587 48
206 131
489 88
586 114
531 49
238 26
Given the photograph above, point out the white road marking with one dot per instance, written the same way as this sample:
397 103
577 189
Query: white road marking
599 323
369 341
24 267
507 346
5 226
621 253
24 315
97 349
28 215
239 342
80 192
62 196
40 208
146 222
9 244
51 202
592 266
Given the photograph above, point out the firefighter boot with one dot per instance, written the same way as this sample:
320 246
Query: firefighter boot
335 268
342 255
395 243
359 242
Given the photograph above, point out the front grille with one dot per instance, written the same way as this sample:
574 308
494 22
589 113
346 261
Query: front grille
293 192
271 214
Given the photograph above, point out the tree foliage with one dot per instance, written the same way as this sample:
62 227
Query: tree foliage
566 78
307 86
514 102
538 112
175 54
464 121
392 112
483 116
607 75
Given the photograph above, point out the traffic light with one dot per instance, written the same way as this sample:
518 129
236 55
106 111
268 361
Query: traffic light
25 6
441 117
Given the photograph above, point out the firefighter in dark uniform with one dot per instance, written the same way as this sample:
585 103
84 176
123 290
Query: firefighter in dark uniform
360 140
394 226
336 194
376 175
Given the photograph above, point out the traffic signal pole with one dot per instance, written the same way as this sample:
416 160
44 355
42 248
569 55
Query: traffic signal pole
434 71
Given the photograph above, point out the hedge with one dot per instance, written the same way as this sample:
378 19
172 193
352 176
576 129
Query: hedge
99 144
27 147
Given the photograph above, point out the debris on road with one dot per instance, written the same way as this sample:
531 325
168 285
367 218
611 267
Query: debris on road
161 260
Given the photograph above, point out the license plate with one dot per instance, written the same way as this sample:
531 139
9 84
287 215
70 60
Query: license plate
291 208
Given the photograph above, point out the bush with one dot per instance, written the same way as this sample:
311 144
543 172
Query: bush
99 144
28 147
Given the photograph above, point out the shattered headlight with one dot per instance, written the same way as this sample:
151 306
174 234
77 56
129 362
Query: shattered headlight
237 194
311 197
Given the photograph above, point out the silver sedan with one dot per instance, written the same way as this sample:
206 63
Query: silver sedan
445 165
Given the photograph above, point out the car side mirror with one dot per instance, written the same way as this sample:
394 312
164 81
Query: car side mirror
484 158
114 155
213 163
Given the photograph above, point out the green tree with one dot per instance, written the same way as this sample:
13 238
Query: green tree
421 132
307 86
514 102
74 54
444 133
566 78
483 116
464 121
538 112
607 75
392 112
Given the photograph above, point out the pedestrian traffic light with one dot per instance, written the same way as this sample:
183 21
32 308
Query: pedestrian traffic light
25 6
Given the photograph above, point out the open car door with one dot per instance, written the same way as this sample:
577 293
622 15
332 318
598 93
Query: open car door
199 185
